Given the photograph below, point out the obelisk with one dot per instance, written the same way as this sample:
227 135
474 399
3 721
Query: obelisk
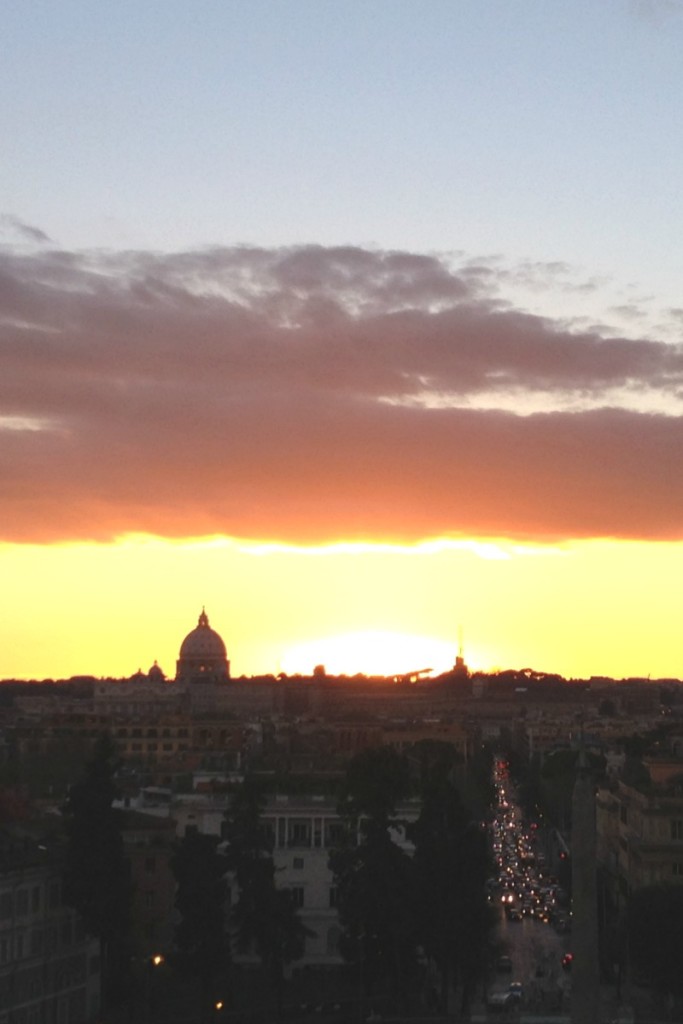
585 1000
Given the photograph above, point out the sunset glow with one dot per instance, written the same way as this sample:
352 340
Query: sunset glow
369 338
579 609
372 653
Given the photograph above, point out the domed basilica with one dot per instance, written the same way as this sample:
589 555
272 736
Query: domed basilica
203 657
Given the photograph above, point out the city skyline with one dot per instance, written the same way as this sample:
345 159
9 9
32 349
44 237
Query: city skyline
358 325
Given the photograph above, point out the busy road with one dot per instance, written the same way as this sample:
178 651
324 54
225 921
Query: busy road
533 966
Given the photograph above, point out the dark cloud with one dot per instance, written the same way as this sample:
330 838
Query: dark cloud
13 228
316 393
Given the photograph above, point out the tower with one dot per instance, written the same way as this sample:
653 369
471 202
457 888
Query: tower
460 669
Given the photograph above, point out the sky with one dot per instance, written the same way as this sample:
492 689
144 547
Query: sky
357 323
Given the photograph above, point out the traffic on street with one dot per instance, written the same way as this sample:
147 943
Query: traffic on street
533 968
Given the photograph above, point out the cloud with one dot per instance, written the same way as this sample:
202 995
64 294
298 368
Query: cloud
657 11
312 394
13 228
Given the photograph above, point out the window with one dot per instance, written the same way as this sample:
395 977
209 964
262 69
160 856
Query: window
677 829
298 863
35 899
22 902
150 865
299 832
54 895
297 894
333 937
149 899
6 905
334 896
51 939
677 868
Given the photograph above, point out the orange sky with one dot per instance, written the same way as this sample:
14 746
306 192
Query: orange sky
440 388
583 608
487 469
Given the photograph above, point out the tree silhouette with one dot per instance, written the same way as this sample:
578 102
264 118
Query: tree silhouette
655 935
264 918
97 879
201 935
374 876
451 863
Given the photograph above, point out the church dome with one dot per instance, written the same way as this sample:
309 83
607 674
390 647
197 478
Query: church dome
203 656
155 674
203 642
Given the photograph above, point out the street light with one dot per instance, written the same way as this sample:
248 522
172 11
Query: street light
155 960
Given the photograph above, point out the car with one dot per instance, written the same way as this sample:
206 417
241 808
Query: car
503 1000
567 961
499 1000
516 989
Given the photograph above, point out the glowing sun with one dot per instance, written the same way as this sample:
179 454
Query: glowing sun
371 653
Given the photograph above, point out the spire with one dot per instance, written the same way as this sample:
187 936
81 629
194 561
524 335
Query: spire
203 619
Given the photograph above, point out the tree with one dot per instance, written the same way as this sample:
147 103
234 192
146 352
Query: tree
655 936
452 865
374 875
201 938
264 917
97 878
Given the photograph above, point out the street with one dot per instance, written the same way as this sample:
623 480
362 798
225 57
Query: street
534 917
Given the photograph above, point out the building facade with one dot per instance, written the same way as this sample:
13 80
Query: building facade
49 967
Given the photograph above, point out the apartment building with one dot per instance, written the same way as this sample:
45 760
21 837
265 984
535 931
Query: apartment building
640 834
49 967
